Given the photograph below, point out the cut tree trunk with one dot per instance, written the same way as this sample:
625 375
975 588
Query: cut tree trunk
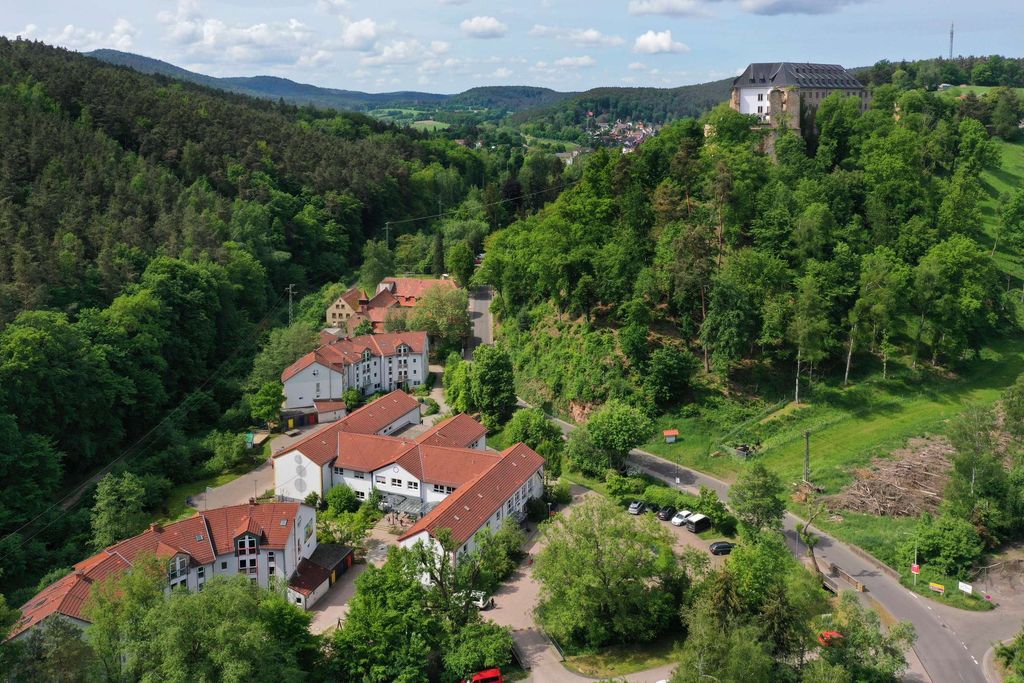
849 357
796 397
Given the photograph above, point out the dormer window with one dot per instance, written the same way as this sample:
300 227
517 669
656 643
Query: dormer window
403 350
177 567
246 545
366 355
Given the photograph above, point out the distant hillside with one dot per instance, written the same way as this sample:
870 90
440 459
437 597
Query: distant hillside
651 104
563 120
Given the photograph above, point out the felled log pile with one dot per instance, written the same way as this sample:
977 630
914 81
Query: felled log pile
908 483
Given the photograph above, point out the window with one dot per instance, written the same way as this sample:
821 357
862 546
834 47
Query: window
414 485
178 567
379 479
223 565
339 471
361 495
246 545
200 573
396 482
760 97
760 109
438 488
359 475
318 388
270 557
508 508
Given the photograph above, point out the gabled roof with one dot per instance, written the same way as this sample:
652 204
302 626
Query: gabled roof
202 537
446 466
67 595
328 405
322 444
409 290
308 577
352 298
458 432
381 300
466 510
342 352
803 75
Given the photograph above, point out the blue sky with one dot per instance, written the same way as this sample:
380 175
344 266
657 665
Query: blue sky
451 45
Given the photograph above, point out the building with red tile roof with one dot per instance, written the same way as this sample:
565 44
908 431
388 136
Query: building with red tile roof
460 431
497 492
408 291
258 541
369 363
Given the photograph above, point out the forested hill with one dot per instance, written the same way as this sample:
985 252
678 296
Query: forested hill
566 119
148 229
271 87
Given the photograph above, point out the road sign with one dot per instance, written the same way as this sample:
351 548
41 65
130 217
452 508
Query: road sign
915 569
937 587
965 587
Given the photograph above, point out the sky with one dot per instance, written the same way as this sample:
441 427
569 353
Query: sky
448 46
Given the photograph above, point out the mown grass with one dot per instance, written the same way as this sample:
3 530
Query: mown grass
621 660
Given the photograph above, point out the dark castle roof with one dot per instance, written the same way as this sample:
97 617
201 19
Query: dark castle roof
801 75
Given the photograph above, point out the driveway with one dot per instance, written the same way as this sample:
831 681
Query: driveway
480 318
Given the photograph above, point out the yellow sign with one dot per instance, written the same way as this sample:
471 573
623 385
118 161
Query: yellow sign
937 587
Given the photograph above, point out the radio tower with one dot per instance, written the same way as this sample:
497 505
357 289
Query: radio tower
951 40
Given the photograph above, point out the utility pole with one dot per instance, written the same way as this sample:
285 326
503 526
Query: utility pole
387 233
291 293
807 455
951 40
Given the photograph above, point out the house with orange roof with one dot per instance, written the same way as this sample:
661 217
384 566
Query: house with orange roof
394 295
369 363
483 502
266 543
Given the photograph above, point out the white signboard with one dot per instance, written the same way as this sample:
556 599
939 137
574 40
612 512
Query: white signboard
965 587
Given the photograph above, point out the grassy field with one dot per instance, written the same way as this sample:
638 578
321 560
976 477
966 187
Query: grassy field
979 90
625 659
429 124
997 182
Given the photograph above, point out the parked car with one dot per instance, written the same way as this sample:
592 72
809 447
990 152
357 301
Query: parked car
666 513
830 638
637 507
680 517
697 523
722 547
486 676
652 507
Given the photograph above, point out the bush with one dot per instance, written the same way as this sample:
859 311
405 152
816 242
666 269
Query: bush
477 646
560 493
341 498
536 510
430 406
313 500
227 451
618 486
949 544
584 456
663 496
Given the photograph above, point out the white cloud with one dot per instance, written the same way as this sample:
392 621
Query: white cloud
575 62
314 59
675 8
407 52
653 43
121 37
637 66
453 2
579 36
794 6
214 41
332 5
501 73
483 27
358 35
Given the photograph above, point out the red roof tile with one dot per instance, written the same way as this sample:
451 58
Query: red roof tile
196 536
447 466
308 577
352 297
409 290
328 406
321 445
459 431
466 510
367 452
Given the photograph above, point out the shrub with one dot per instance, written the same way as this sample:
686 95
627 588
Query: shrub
560 493
341 498
313 500
584 456
619 486
536 510
430 406
949 544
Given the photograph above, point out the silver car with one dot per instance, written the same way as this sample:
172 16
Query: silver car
680 518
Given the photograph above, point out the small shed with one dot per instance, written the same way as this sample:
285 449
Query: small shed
670 435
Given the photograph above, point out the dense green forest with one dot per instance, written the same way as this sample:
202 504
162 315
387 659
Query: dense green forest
149 228
929 73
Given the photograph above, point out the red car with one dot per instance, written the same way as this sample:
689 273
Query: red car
488 676
830 638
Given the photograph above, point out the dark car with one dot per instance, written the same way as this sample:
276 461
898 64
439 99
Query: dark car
666 513
637 507
652 507
722 547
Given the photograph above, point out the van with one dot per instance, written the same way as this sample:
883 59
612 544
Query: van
698 523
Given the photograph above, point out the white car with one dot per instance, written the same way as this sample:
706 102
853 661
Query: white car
482 600
680 518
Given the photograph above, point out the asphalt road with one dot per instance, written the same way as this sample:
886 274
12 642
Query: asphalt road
480 317
942 651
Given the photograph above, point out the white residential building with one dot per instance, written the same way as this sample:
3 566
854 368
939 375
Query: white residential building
267 542
370 363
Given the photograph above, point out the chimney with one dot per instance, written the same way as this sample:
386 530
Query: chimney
79 573
155 527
